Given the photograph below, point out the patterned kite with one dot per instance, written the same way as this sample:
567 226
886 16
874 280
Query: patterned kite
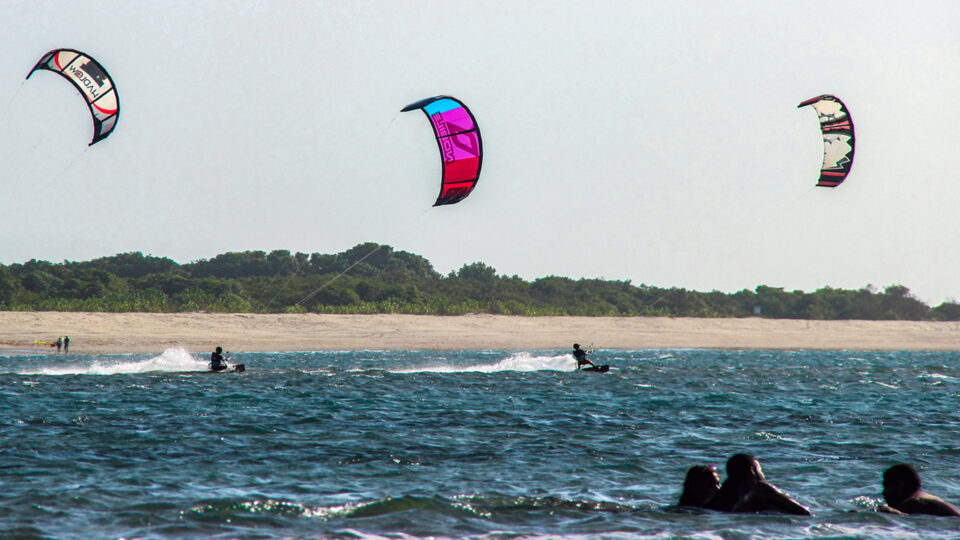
458 137
838 140
93 82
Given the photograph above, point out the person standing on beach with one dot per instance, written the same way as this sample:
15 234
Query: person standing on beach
66 344
580 356
747 490
59 343
901 490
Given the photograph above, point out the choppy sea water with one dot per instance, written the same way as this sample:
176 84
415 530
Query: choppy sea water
486 444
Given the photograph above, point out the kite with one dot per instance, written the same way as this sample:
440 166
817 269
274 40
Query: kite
458 138
838 141
93 82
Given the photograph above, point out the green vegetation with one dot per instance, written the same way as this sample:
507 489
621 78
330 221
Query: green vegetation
376 279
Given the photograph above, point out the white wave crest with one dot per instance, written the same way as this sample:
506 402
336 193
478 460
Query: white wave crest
173 359
522 361
938 376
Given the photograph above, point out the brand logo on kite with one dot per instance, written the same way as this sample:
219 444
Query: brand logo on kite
465 141
91 80
94 71
470 146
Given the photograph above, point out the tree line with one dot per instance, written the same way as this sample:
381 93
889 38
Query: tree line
372 278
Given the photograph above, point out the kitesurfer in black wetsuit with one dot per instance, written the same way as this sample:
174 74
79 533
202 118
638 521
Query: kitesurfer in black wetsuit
217 362
580 356
901 490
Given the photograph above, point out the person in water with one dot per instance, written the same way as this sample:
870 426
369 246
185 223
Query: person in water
747 490
901 490
580 356
217 362
700 485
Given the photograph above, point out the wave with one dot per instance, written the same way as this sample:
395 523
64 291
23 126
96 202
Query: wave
522 361
174 359
457 506
938 377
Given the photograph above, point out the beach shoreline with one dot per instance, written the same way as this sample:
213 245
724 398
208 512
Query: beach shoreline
117 333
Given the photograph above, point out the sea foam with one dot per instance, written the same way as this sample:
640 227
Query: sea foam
173 359
522 361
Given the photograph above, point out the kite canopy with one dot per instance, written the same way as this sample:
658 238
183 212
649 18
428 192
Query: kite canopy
838 140
93 82
458 137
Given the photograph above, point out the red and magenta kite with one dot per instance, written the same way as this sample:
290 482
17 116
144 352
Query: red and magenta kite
458 137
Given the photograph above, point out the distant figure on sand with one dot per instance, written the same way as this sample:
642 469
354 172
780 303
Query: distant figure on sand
580 356
59 343
747 490
66 344
700 485
901 490
216 360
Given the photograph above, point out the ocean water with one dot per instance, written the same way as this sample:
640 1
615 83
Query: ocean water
483 444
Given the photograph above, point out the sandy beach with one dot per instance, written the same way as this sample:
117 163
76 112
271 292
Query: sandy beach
99 333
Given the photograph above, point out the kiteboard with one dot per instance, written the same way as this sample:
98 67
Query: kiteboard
599 369
236 368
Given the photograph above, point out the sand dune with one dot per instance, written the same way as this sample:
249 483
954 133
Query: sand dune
154 332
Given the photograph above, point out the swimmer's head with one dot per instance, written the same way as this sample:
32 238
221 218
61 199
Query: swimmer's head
701 483
744 468
899 482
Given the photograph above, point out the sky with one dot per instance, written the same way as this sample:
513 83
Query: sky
657 142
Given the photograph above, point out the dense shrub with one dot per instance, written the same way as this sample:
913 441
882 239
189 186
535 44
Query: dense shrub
372 278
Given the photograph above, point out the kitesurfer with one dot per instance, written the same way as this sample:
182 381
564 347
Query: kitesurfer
747 490
901 490
217 362
700 485
66 344
59 343
580 356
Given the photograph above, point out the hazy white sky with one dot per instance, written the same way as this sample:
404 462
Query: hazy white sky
653 141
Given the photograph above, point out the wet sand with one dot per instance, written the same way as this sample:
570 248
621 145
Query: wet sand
155 332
